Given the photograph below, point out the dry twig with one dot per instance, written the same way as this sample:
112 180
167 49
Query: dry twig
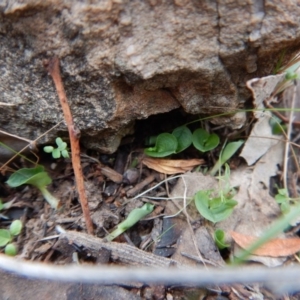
124 253
140 186
30 143
278 114
52 67
288 137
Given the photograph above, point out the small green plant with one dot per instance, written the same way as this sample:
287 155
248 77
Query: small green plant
61 149
214 209
180 139
283 199
5 205
203 141
229 150
278 128
291 71
217 206
213 206
219 237
133 217
7 235
166 144
37 177
291 75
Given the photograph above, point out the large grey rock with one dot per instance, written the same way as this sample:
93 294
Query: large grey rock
126 60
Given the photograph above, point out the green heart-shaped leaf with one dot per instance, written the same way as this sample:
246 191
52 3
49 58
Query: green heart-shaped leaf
166 144
215 209
202 199
184 138
222 209
203 141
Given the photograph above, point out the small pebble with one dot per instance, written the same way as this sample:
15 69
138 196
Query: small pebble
131 176
110 190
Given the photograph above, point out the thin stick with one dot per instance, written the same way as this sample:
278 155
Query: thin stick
16 136
32 142
154 187
276 112
6 104
52 67
120 252
140 186
288 137
189 223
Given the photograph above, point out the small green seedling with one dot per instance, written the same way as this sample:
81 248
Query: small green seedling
278 128
61 149
36 177
4 206
283 199
219 237
133 217
291 76
180 139
291 71
203 141
166 144
229 150
216 208
6 237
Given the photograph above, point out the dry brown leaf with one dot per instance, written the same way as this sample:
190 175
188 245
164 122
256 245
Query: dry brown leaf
273 248
171 166
251 194
261 138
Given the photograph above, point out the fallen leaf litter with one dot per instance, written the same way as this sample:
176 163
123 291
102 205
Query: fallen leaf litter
256 209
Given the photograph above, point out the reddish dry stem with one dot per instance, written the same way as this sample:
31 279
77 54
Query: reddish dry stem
280 116
53 68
